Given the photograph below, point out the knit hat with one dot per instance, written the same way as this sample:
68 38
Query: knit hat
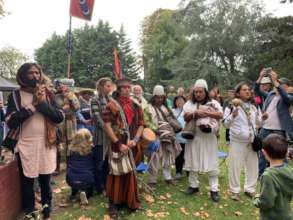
158 90
265 80
201 83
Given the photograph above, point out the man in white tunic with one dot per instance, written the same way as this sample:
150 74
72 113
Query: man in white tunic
201 152
242 120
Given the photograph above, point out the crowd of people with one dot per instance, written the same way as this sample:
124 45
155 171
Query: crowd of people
107 133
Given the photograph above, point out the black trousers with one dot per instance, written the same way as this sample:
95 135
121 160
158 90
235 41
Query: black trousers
28 193
101 169
179 161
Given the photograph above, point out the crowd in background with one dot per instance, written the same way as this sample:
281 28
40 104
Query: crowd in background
105 134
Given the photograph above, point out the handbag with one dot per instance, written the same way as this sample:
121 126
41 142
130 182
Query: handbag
170 118
12 136
120 163
189 130
257 142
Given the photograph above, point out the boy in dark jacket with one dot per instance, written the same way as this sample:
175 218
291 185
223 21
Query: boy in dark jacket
80 167
276 182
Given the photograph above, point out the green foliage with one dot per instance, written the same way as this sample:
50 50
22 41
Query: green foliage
10 61
203 39
275 46
162 40
128 58
92 55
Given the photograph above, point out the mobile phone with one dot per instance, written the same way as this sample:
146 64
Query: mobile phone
268 71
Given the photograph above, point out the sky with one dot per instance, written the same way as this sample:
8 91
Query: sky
31 22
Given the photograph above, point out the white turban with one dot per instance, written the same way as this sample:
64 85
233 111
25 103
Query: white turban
158 90
201 83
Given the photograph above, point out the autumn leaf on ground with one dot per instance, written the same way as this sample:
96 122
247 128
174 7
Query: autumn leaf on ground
238 213
84 218
183 210
149 199
107 217
63 205
161 214
162 197
168 195
57 190
196 214
149 213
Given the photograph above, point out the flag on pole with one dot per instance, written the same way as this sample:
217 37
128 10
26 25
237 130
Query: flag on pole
117 67
82 9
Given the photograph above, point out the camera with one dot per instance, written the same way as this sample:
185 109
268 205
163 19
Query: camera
267 71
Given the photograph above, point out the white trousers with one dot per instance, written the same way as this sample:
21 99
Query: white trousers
241 155
213 180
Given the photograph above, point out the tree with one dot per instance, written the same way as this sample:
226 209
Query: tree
10 61
128 58
92 55
222 36
162 40
275 46
2 12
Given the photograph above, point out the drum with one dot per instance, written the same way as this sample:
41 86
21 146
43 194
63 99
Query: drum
147 137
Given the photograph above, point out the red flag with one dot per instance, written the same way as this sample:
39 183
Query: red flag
82 9
117 67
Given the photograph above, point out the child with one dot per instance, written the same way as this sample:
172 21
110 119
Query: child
276 182
80 167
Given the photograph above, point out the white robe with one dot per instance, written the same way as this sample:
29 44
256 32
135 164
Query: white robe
201 153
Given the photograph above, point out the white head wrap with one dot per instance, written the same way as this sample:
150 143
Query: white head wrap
201 83
158 90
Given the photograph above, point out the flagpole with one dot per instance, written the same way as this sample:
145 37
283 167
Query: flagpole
69 49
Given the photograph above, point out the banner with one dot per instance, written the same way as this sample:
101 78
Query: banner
117 67
82 9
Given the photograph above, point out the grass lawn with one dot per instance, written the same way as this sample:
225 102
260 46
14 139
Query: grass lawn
169 202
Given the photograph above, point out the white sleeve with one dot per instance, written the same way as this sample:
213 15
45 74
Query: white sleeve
228 118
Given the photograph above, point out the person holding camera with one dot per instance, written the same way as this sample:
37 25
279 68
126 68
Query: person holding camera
201 152
242 118
276 114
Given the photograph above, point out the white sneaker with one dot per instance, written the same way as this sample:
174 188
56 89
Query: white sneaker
83 198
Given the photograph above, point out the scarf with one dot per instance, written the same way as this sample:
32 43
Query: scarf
126 104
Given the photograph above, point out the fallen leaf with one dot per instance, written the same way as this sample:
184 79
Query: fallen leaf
57 190
63 205
107 217
196 214
168 195
162 197
238 213
149 213
161 214
221 207
84 218
149 199
183 210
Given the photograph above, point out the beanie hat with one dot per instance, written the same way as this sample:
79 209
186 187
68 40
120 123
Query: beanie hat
201 83
158 90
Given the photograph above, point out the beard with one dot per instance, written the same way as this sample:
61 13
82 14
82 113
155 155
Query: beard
31 82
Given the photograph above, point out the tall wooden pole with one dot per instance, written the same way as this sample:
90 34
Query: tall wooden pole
69 49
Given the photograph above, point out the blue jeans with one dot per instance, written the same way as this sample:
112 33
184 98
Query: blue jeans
101 171
262 162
